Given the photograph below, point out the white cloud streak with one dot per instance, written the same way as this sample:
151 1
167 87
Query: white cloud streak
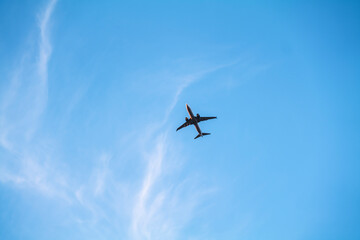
163 206
101 174
45 45
21 108
140 221
44 54
186 82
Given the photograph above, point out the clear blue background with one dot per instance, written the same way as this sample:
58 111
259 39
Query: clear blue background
89 149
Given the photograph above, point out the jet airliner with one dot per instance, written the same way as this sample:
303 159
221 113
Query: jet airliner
194 120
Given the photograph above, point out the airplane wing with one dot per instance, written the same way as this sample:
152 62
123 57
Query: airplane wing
187 123
200 119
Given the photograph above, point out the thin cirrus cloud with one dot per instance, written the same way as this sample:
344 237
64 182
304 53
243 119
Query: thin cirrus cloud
165 205
45 45
25 99
21 108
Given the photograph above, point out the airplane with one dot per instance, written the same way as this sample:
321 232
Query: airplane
194 120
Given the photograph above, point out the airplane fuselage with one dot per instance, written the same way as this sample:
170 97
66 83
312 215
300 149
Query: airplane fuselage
193 119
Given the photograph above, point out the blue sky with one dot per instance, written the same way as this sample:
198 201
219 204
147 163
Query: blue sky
91 94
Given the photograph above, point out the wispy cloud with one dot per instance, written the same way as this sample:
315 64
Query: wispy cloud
45 47
161 206
21 108
44 54
101 174
25 99
186 81
140 221
164 204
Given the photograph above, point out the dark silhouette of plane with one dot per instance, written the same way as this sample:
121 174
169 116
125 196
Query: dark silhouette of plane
194 120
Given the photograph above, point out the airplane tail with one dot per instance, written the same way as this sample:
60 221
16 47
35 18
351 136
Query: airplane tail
201 135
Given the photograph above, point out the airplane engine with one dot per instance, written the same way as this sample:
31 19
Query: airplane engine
197 115
186 119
